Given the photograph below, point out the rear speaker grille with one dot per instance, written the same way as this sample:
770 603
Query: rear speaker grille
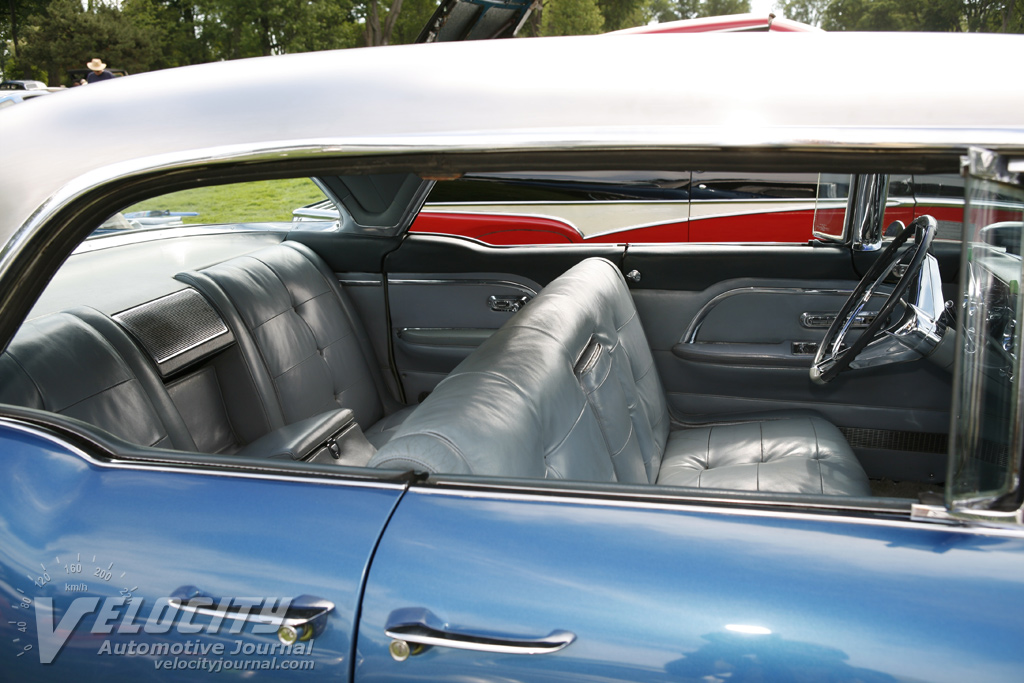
170 326
886 439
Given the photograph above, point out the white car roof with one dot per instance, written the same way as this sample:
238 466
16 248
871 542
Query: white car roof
713 91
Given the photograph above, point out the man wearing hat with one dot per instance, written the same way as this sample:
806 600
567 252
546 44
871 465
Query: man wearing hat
99 70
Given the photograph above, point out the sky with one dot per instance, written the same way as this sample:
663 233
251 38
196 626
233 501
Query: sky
761 6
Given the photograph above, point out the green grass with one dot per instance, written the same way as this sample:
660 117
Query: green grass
257 202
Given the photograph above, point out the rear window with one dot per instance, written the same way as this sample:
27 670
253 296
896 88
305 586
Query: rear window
279 202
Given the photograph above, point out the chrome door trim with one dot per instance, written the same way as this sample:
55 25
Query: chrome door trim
180 467
456 281
690 336
724 505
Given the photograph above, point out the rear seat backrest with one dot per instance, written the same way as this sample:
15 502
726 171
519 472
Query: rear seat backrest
82 365
298 332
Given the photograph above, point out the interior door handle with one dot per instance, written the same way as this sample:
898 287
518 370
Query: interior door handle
812 320
303 619
507 304
421 628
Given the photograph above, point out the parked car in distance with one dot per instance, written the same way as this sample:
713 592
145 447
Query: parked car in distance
348 449
22 85
12 97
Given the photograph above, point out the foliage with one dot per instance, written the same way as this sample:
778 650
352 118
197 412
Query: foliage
619 14
673 10
995 16
66 36
45 38
571 18
414 16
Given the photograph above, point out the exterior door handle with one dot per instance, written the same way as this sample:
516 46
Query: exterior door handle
413 629
303 619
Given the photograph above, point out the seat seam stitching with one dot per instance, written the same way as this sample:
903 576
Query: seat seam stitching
31 379
817 451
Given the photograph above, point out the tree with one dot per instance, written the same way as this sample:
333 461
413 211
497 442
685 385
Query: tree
620 14
996 16
673 10
415 15
379 22
13 19
66 36
804 11
571 18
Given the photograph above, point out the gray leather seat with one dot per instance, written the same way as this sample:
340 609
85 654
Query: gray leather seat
300 337
82 365
568 389
787 454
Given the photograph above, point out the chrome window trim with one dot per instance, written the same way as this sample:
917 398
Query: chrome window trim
733 507
1000 167
181 467
865 211
130 237
746 508
454 281
360 283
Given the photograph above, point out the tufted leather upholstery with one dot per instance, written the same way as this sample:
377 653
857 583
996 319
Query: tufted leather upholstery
299 335
82 365
807 455
567 389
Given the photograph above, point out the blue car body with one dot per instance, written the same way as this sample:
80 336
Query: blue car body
128 560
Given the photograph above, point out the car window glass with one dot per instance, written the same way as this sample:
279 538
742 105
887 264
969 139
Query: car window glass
987 404
290 201
635 207
939 195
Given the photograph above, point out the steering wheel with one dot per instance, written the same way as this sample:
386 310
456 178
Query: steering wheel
833 355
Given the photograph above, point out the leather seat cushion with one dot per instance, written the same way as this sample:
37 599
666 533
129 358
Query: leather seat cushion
786 455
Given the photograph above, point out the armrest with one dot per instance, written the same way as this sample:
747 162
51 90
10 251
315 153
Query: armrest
301 439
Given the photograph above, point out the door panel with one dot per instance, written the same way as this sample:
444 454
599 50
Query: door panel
87 545
540 264
440 316
739 345
676 594
439 319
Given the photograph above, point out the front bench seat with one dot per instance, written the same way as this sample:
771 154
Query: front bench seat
783 455
300 337
568 389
